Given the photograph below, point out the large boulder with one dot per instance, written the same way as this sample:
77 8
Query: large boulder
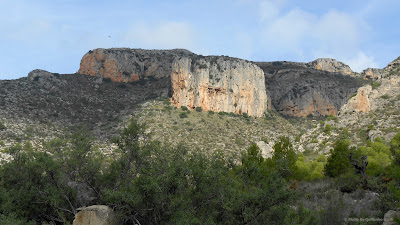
219 84
95 215
388 219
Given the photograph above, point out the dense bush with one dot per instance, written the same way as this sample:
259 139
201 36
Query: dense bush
310 170
328 129
375 84
183 114
33 188
284 158
158 184
147 182
199 109
338 162
379 157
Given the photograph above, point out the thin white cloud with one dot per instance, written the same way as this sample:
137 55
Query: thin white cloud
305 35
287 32
163 35
361 61
270 9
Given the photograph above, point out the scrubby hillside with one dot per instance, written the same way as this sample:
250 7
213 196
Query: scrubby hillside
331 139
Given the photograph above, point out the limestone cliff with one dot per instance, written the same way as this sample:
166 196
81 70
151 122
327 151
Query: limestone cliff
127 65
219 84
369 97
297 90
330 65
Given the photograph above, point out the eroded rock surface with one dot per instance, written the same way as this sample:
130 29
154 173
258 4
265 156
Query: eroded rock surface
330 65
371 97
297 90
128 65
219 84
372 74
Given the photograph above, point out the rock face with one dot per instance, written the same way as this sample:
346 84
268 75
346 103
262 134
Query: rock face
330 65
128 65
369 98
95 214
393 66
372 74
219 84
297 90
45 78
361 102
388 219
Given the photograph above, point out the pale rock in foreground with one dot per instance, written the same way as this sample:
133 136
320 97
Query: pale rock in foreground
388 218
95 215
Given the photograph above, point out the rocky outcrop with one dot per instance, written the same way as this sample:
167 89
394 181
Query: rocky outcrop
219 84
299 91
45 78
360 102
394 65
95 214
369 97
372 74
330 65
128 65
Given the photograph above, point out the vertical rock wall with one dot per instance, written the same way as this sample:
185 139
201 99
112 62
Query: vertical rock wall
219 84
128 65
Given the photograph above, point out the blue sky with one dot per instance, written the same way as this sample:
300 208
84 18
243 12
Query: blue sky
54 35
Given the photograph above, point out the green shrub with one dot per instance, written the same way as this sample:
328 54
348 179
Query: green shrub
184 108
210 112
375 85
328 129
199 109
2 126
348 182
353 95
176 186
284 158
33 188
310 170
168 108
385 96
332 117
395 148
379 157
338 162
183 115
